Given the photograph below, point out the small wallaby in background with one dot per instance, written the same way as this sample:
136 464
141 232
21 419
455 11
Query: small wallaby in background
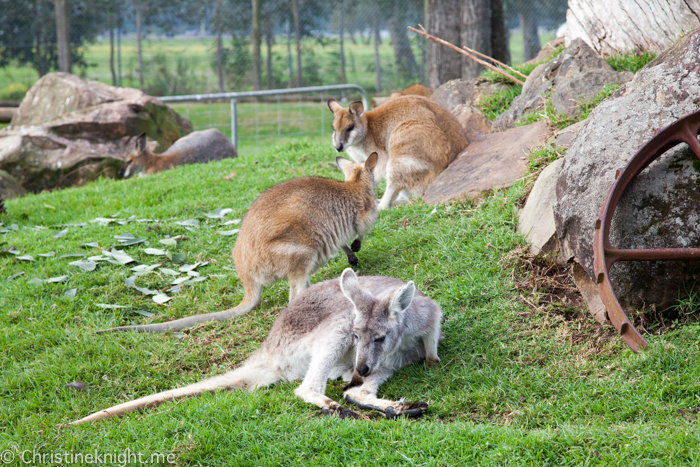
198 147
415 138
291 231
362 330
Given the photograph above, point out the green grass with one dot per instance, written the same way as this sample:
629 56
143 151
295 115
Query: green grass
560 121
516 386
631 62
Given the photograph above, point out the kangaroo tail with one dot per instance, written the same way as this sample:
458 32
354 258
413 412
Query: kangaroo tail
250 375
251 298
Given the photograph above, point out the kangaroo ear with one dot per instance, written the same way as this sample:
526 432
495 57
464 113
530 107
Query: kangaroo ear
350 287
402 298
371 161
357 108
342 162
141 141
333 105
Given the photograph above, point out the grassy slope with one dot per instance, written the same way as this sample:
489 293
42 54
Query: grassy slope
514 385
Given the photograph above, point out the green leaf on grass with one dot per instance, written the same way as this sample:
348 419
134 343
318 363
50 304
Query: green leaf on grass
14 276
90 245
47 255
145 313
84 265
179 258
109 307
71 293
169 272
57 279
161 298
60 234
26 258
154 251
188 222
228 233
35 281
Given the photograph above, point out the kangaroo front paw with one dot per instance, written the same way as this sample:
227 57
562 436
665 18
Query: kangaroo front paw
356 245
340 412
430 361
352 259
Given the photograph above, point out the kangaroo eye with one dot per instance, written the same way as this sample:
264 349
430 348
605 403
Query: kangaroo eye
350 128
355 336
380 339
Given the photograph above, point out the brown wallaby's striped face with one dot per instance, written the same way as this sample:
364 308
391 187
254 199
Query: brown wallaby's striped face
135 163
347 124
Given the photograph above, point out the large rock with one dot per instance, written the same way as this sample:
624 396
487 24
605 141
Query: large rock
489 162
536 219
662 207
473 121
68 130
459 92
575 75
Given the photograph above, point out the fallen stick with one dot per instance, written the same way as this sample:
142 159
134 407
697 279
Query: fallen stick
464 52
501 64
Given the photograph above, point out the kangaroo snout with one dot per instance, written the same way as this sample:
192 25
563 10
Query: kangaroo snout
363 370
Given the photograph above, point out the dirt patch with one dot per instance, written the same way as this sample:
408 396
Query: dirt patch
549 290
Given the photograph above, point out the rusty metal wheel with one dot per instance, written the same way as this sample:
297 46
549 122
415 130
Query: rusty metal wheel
685 130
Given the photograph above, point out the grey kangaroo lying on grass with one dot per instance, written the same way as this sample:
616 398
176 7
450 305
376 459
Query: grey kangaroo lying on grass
291 231
359 329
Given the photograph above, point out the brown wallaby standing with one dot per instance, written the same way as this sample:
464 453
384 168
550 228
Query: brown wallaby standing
198 147
361 329
291 231
415 138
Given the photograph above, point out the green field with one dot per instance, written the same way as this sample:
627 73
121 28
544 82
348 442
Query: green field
517 385
198 55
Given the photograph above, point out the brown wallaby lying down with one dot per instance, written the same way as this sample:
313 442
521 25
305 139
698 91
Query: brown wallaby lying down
198 147
415 138
362 330
291 231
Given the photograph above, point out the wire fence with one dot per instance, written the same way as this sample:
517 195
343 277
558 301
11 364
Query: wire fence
256 119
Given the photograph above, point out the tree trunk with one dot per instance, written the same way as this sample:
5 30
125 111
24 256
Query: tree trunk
297 36
377 41
406 65
256 44
499 33
475 34
444 19
139 50
62 35
119 56
219 46
289 55
341 27
111 55
531 39
268 43
617 27
424 46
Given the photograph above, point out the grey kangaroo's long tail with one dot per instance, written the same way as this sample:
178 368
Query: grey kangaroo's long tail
250 301
236 379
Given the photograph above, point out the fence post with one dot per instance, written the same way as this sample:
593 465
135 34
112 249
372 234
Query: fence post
234 123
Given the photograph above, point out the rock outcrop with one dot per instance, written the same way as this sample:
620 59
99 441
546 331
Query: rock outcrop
464 92
536 219
661 209
575 75
490 162
68 131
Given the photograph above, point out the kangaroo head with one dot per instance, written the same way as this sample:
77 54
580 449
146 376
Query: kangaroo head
137 161
348 127
363 173
376 328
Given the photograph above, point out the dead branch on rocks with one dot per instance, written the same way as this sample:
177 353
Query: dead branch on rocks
471 54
